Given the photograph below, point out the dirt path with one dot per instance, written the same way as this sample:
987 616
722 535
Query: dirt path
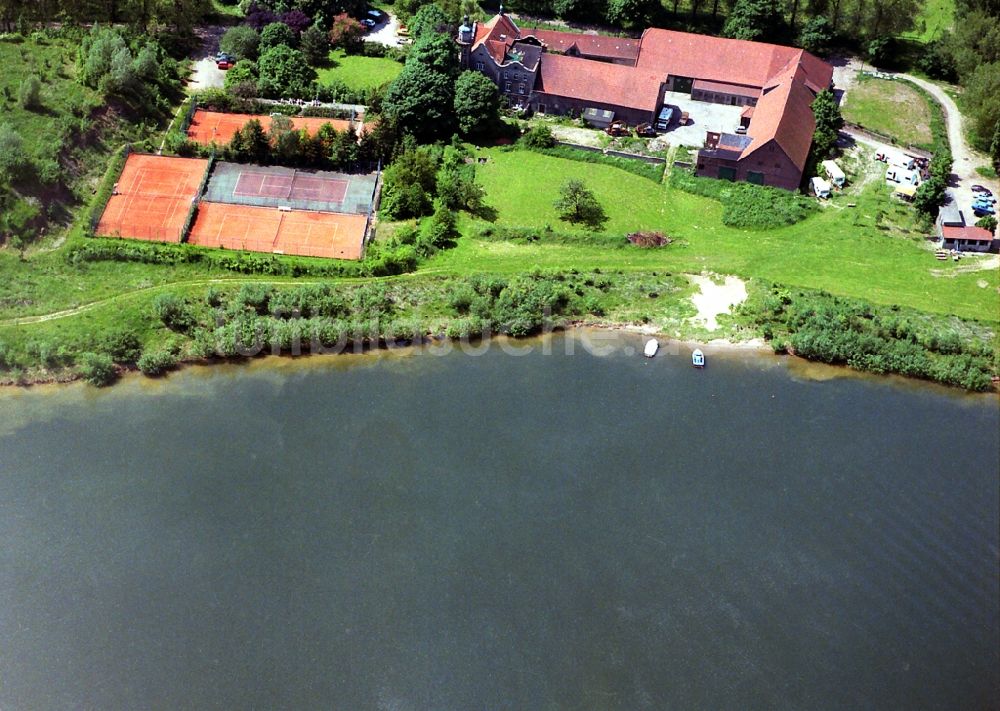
205 74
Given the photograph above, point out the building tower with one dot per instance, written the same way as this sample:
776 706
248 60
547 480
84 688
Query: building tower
466 33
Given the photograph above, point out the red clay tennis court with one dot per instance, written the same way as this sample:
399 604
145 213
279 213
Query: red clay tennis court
208 126
272 230
152 198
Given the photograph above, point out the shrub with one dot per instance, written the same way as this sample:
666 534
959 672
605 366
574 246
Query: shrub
747 205
98 369
122 345
242 41
28 93
275 35
156 362
538 137
172 311
13 157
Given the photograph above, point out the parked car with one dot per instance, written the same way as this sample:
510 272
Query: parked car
981 189
741 129
646 130
664 119
981 208
368 22
617 128
375 15
224 64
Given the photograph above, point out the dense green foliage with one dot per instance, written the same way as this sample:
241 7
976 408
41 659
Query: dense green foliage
880 339
754 20
477 104
826 110
747 205
98 369
242 41
971 53
284 72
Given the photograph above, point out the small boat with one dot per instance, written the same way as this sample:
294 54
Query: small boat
698 358
652 345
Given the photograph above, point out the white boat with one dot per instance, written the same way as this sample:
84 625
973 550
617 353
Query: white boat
652 345
698 358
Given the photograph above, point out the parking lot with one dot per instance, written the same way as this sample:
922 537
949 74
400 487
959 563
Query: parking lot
702 117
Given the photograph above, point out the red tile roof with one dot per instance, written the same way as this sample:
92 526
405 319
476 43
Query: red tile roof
978 234
497 34
722 87
784 115
726 60
589 45
599 82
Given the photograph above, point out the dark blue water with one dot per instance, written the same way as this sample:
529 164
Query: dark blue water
500 532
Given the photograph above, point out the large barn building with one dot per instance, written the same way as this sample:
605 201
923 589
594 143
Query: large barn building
563 72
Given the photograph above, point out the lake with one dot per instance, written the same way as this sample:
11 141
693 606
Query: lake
519 528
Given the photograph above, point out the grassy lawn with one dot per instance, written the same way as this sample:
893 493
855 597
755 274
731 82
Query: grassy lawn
934 18
892 108
357 71
842 249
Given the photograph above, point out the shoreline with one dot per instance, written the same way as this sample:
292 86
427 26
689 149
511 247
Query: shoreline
717 345
798 366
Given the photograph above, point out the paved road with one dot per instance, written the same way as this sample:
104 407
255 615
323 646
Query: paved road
966 160
205 74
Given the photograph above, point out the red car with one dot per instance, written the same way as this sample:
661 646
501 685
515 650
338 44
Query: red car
224 64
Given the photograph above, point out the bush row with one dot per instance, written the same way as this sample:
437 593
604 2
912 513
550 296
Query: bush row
635 166
746 205
880 339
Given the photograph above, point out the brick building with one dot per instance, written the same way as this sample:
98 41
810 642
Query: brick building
565 73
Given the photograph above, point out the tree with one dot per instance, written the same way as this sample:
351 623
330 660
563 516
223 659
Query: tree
242 79
344 151
931 195
826 111
284 72
754 20
430 19
275 35
259 16
409 183
981 103
13 157
435 51
878 50
243 42
477 103
578 204
987 223
284 140
421 101
439 231
632 13
28 93
816 34
250 143
315 46
346 31
297 21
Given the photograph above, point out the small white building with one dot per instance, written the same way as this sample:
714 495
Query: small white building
821 188
834 172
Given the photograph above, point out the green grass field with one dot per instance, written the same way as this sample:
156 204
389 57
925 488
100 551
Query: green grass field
842 249
359 72
934 18
891 108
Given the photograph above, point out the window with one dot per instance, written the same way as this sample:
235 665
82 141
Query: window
541 108
505 75
520 89
479 66
755 177
506 86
